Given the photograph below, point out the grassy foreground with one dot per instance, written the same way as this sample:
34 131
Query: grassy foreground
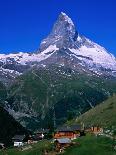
91 145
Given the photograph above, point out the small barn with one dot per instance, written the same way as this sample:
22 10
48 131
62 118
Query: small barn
40 134
96 129
19 140
62 143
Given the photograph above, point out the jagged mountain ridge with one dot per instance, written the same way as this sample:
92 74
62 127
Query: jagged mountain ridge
68 75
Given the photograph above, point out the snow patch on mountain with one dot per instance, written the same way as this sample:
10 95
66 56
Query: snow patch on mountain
6 71
25 58
95 55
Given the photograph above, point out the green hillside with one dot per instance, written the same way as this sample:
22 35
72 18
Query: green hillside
103 114
91 145
36 149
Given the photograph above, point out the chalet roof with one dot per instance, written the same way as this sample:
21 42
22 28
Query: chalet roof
75 127
69 128
64 128
63 140
19 137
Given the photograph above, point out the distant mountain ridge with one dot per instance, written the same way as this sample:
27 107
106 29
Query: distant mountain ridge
68 75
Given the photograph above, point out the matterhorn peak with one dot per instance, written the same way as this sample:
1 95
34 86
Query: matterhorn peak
62 35
63 26
64 17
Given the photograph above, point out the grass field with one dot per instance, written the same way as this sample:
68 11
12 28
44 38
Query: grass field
91 145
35 150
88 145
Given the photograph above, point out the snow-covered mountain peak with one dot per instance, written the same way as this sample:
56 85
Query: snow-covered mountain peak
63 26
65 36
63 45
62 35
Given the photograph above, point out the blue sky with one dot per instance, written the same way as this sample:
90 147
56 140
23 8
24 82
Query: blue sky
24 23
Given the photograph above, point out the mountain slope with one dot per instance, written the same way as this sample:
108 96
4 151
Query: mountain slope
8 125
103 114
43 96
3 92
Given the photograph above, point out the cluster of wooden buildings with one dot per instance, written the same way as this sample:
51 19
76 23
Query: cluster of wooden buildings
62 136
20 140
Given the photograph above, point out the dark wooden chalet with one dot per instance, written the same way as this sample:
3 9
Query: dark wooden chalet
40 134
71 132
19 140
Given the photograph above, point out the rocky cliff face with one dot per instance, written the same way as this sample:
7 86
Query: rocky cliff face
63 34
